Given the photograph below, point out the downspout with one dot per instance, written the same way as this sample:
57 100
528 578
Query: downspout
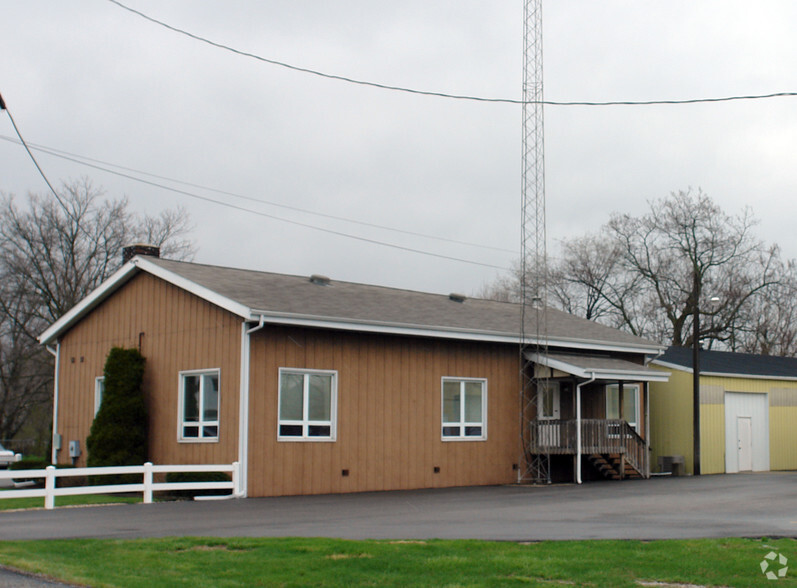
243 409
55 444
578 426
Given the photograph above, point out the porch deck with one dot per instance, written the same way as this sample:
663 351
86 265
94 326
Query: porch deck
605 437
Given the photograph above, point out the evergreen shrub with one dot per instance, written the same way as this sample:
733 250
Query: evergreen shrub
120 430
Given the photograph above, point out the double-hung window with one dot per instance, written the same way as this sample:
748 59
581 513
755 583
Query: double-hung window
630 403
307 405
464 409
199 405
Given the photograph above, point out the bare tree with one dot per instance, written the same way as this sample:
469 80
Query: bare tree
686 251
768 325
24 385
52 254
648 274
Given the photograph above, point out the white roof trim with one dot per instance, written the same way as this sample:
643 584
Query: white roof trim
122 276
642 374
436 332
234 307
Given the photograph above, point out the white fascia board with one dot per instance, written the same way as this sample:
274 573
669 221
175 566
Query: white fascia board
435 332
120 277
599 373
228 304
749 376
631 375
673 366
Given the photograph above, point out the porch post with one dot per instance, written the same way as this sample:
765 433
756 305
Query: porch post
578 434
645 396
578 425
621 414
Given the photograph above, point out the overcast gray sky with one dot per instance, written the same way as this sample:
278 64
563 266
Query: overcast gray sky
89 78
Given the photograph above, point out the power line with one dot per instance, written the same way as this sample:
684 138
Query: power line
471 98
30 153
289 221
83 160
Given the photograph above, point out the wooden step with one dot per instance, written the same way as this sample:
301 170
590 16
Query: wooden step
613 467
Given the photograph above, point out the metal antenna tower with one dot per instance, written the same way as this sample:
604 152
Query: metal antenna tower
533 261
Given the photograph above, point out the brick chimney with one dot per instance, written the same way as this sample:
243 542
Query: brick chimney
131 251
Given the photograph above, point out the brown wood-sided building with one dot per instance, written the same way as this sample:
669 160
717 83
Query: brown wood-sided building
317 386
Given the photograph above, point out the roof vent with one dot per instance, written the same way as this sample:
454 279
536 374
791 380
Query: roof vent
131 251
457 297
320 280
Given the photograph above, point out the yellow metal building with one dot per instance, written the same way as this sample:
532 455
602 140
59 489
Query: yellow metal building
748 411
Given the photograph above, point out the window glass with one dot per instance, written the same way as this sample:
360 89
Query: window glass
473 402
612 402
451 402
191 399
99 392
319 398
210 398
291 395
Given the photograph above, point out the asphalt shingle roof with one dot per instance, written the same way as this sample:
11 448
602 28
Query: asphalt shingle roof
360 303
726 362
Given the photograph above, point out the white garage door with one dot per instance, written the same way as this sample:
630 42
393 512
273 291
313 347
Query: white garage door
746 432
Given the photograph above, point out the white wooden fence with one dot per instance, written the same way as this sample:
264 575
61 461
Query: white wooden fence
147 487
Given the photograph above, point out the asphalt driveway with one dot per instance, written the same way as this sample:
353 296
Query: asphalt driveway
743 505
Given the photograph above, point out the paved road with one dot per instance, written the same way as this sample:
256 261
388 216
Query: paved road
11 579
661 508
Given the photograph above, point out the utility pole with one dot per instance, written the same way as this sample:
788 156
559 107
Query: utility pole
696 375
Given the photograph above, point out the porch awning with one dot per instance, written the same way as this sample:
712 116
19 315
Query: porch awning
599 367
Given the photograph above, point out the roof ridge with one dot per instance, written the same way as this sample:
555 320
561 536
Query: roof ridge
334 281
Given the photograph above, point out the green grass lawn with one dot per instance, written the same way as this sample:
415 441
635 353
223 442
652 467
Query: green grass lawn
17 503
332 562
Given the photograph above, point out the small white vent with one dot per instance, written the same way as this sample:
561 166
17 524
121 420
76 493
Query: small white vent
320 280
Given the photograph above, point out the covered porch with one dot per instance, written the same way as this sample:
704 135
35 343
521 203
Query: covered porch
591 410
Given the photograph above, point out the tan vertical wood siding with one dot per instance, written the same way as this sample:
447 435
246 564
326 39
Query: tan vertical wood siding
389 414
177 331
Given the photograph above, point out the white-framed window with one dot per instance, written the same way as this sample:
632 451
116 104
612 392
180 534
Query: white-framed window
548 400
99 392
464 408
630 403
307 405
199 405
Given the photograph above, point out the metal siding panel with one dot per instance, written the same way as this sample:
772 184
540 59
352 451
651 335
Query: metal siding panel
783 438
783 396
711 393
671 418
117 322
381 379
712 434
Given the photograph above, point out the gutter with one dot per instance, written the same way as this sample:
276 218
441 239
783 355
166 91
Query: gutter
391 328
243 406
56 438
578 425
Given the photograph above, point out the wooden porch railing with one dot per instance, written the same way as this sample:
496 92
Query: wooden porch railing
603 436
